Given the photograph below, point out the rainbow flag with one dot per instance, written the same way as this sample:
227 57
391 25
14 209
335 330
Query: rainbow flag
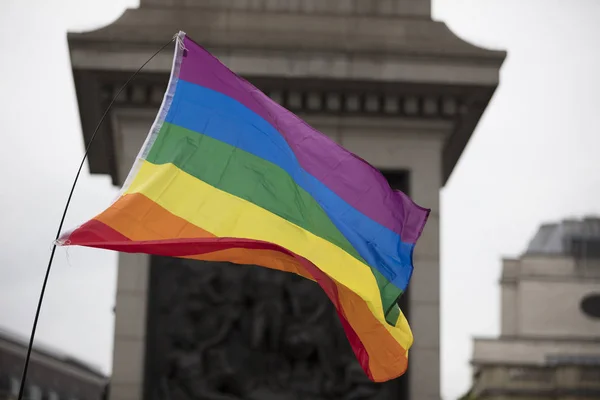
227 174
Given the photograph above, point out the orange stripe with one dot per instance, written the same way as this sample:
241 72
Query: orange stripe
140 219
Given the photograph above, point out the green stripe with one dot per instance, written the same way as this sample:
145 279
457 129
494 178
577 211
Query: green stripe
259 181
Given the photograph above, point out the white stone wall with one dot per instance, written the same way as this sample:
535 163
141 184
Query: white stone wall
541 317
560 377
547 266
509 310
509 297
552 309
541 297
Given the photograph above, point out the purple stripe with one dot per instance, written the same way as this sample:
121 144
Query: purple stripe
350 177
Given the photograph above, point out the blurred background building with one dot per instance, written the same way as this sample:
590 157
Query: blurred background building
381 78
51 376
549 346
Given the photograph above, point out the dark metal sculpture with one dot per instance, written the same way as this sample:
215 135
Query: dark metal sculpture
226 332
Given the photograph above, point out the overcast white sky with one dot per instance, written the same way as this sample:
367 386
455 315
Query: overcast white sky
533 158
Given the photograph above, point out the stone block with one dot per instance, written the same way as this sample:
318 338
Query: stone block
425 324
128 361
425 282
424 366
125 391
133 273
428 245
130 318
413 7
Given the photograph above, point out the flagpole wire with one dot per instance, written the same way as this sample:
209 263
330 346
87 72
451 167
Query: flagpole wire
62 220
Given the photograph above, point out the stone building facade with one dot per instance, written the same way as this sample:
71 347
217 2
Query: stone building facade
52 375
549 346
378 76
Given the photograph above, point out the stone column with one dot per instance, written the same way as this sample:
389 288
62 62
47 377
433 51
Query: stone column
130 328
417 148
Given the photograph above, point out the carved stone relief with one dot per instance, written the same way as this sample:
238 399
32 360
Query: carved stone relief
226 332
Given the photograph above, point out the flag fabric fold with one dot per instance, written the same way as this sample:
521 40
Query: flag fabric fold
227 174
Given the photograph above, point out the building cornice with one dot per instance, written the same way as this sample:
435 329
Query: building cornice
445 105
415 67
531 351
543 393
539 339
64 364
532 277
415 8
280 31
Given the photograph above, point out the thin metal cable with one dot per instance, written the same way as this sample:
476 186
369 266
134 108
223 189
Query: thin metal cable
62 220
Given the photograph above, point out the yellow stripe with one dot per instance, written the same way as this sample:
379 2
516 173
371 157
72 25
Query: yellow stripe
226 215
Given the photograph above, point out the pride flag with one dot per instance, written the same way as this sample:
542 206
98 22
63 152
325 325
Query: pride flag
227 174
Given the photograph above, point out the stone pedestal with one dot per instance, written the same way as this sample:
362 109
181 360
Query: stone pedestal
382 79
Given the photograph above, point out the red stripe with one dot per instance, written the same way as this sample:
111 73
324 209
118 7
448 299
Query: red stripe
96 234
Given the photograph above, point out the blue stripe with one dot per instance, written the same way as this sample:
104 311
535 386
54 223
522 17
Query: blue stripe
213 114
